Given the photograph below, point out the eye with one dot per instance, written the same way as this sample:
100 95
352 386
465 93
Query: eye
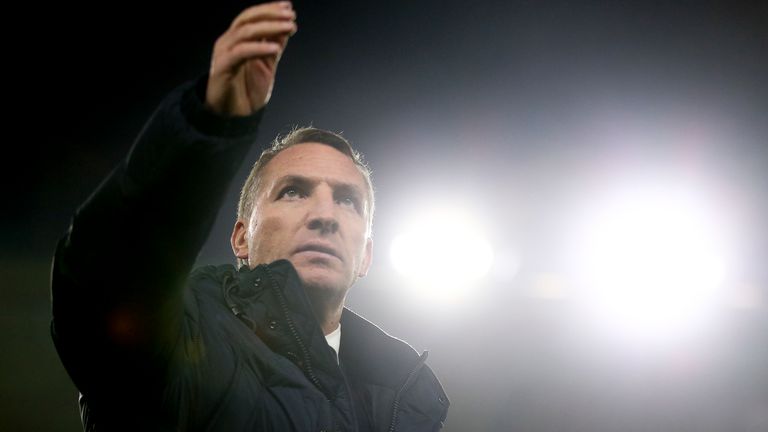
291 193
349 201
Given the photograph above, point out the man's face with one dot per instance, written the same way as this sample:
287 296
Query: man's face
311 209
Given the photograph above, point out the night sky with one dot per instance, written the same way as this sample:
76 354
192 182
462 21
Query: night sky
521 109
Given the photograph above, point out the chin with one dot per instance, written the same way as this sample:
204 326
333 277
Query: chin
322 279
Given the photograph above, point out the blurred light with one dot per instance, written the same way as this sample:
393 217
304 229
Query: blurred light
442 253
506 265
746 296
548 286
652 258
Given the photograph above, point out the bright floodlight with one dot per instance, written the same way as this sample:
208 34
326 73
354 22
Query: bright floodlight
651 258
442 252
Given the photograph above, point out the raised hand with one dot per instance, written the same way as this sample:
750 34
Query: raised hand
245 59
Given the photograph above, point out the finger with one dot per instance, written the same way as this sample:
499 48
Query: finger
246 51
275 11
282 40
272 30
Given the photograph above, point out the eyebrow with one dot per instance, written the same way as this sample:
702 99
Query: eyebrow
300 181
308 182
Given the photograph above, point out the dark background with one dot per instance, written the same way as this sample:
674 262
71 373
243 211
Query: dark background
495 101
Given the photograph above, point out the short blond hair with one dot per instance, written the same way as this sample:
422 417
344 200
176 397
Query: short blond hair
303 135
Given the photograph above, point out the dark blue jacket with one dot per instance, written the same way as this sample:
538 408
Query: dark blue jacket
152 347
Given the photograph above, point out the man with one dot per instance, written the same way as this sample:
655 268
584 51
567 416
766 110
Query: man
268 346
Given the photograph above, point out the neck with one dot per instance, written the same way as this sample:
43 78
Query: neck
327 310
329 318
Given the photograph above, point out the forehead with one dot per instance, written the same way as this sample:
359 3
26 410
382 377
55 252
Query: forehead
313 160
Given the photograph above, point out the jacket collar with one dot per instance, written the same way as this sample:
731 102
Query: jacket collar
372 355
270 299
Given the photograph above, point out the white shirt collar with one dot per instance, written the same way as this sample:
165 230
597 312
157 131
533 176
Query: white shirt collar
334 340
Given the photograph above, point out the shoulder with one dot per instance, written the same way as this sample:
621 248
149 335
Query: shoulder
385 363
205 287
212 273
373 341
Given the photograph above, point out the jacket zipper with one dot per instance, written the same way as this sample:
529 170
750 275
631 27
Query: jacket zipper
292 327
408 381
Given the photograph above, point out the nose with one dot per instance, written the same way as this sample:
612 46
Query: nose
322 216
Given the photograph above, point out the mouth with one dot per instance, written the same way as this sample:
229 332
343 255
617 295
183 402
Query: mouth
318 248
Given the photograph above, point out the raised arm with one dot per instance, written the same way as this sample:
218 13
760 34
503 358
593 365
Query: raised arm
118 274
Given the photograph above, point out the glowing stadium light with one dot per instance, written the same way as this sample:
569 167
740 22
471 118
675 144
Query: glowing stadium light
651 258
442 253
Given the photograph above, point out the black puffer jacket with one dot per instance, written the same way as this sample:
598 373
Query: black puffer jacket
151 347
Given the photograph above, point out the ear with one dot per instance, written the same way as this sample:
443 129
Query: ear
367 258
239 240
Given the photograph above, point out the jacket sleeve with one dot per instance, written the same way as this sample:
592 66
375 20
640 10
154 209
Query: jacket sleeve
118 274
